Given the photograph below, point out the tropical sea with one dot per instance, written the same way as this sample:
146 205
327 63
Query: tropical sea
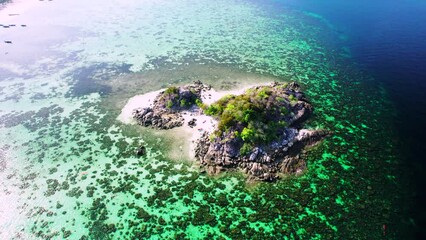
67 165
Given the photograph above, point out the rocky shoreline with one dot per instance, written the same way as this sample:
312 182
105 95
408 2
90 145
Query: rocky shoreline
167 109
258 131
265 164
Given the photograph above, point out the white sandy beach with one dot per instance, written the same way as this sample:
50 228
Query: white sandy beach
138 101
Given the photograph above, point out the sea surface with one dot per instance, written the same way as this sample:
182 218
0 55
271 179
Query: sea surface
67 165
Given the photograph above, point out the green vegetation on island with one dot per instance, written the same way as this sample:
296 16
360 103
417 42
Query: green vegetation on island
256 117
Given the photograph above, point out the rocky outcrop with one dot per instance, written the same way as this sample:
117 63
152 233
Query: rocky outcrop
160 119
165 112
267 161
264 163
140 151
279 103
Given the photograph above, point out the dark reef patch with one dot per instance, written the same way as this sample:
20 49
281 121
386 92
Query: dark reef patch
91 79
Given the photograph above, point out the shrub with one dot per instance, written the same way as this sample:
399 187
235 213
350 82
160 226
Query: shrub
226 121
283 111
246 148
214 110
171 90
213 137
247 134
248 115
263 94
169 104
199 102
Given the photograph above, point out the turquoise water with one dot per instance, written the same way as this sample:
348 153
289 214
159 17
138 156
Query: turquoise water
67 166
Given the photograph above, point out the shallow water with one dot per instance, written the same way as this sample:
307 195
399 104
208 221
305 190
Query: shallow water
67 166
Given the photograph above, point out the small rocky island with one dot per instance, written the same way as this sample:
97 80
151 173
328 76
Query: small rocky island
258 131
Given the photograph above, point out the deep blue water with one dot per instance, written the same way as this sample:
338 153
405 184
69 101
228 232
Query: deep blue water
388 40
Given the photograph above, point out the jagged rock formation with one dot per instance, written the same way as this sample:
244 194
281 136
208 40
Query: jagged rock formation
165 112
262 163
